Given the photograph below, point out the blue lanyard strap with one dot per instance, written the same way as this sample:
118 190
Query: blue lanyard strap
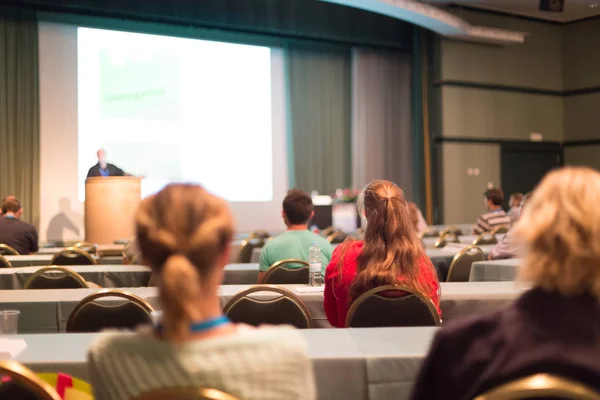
204 326
104 172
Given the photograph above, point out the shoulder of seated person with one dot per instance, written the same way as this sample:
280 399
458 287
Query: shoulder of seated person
469 328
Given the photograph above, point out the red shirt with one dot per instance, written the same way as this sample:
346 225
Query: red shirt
336 292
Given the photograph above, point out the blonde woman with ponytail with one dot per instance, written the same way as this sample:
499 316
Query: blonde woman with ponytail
184 233
391 253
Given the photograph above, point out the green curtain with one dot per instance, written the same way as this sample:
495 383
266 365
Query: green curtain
319 131
19 110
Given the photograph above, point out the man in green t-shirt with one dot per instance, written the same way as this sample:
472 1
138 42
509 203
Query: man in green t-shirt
297 240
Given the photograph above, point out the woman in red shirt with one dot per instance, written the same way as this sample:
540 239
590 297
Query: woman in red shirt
390 253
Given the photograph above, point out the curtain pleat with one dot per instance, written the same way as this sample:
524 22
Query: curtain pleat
19 110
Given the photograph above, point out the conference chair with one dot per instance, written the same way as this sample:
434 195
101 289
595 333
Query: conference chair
460 268
392 306
431 232
281 273
280 307
73 256
19 382
327 231
89 315
485 238
4 263
6 250
541 386
259 234
337 237
91 248
446 238
248 247
55 277
451 229
186 394
500 229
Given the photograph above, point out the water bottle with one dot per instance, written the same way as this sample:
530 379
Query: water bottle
314 261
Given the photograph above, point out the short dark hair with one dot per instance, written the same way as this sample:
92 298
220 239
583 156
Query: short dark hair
517 195
10 204
297 207
495 195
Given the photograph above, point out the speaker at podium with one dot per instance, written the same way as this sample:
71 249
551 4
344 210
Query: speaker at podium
110 207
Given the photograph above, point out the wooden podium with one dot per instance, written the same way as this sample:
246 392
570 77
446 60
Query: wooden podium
110 207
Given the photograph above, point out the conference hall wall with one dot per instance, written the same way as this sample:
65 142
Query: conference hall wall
489 94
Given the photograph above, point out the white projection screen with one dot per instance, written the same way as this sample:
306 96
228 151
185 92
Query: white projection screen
166 108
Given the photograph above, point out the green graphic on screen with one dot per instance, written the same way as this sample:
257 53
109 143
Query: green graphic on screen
134 86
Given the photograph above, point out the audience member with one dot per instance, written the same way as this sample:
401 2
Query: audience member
514 204
508 247
297 240
553 327
185 235
417 219
18 234
390 253
495 215
131 252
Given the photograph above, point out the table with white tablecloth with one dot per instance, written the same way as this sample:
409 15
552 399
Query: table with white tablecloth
350 364
107 276
40 260
495 271
47 311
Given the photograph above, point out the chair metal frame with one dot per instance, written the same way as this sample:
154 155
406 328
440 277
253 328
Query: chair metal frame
459 255
4 263
500 229
71 250
247 242
82 245
28 379
482 241
259 234
186 394
328 231
443 240
273 289
335 235
282 264
12 250
137 300
540 385
386 288
44 270
451 229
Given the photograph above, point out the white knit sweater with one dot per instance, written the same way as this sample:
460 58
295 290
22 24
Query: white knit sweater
268 363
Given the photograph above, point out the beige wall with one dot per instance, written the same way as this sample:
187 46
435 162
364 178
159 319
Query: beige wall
583 155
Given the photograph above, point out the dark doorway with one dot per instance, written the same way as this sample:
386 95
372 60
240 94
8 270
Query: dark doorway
524 165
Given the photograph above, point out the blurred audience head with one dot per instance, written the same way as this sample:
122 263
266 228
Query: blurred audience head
414 215
297 208
184 234
515 199
525 199
12 206
494 198
560 232
391 244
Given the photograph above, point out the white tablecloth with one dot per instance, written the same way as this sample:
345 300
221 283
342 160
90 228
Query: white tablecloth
495 271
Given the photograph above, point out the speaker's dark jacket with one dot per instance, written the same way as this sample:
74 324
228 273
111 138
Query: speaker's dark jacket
112 171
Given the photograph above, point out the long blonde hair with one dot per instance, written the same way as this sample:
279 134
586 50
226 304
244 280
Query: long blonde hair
392 252
560 232
182 231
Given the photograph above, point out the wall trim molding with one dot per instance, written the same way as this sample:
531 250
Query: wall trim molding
511 142
515 89
580 143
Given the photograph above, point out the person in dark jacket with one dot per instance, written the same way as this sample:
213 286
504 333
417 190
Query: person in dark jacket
552 328
103 168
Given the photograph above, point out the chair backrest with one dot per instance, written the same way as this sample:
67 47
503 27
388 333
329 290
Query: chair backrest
6 250
392 305
91 248
337 237
446 238
500 229
485 238
327 231
186 394
460 268
92 316
287 272
23 384
4 263
248 247
451 229
283 308
55 277
541 386
73 256
259 234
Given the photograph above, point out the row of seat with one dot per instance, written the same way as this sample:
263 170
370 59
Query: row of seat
69 256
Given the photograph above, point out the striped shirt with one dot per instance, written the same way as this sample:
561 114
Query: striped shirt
268 363
488 221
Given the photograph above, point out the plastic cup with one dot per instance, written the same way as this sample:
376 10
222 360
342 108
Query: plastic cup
9 320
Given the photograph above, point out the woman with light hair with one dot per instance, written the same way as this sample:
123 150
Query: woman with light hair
552 328
184 233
